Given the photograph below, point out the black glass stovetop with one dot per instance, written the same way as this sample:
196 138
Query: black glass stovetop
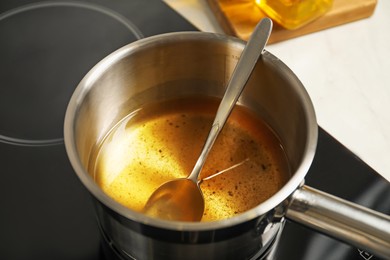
45 50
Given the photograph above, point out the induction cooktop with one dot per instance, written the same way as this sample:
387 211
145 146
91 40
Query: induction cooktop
45 50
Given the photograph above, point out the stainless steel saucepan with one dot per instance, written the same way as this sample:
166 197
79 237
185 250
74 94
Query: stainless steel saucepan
192 63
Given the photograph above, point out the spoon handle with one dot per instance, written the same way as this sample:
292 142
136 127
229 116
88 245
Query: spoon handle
237 82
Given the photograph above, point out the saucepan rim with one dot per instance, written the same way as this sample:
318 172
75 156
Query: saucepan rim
87 82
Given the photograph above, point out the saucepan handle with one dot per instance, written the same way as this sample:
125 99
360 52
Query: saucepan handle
351 223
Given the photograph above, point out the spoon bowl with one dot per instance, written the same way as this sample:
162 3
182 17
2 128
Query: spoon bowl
168 201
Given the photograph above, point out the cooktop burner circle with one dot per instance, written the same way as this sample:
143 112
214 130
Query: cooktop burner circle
46 48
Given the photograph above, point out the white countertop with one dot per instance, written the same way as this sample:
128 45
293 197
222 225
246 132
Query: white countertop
345 69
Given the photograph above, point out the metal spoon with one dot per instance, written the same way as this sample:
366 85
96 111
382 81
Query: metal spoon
181 199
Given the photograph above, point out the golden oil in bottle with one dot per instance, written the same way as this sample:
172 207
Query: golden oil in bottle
292 14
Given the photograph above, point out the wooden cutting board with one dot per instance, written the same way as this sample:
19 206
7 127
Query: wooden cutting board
239 18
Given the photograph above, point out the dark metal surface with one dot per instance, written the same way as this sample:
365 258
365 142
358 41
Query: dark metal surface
45 211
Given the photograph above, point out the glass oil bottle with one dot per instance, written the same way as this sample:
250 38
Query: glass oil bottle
292 14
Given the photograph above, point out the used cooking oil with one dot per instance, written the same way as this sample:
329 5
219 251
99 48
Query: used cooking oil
162 142
292 14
